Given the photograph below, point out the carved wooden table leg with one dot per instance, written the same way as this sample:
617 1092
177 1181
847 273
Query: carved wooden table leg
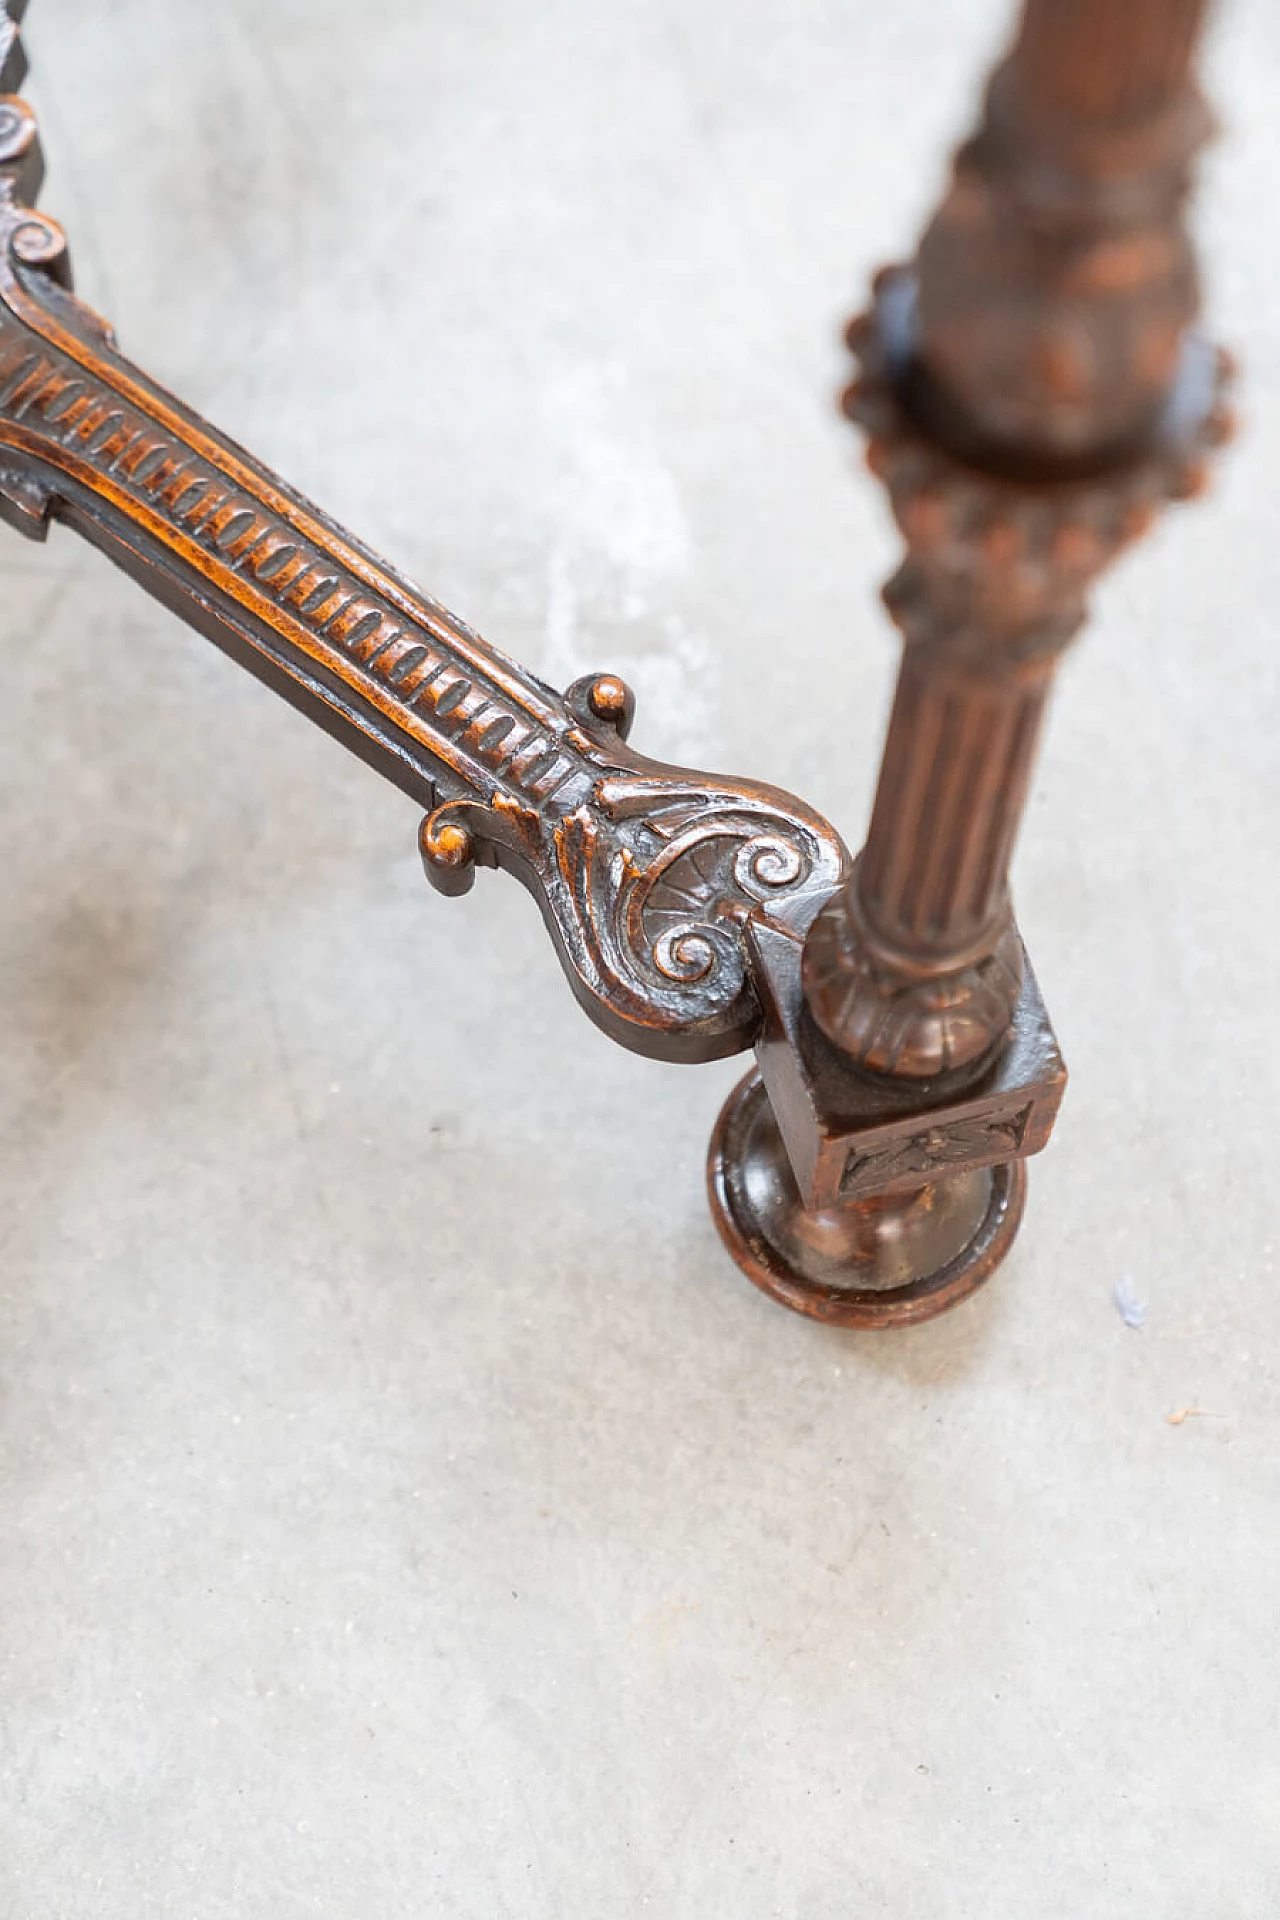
1033 393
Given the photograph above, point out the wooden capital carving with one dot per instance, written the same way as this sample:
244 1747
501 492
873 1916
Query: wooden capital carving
1033 394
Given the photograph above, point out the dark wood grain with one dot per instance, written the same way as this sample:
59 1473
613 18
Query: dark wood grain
645 872
1033 390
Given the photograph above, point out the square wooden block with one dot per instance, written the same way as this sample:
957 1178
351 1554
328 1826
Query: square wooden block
847 1136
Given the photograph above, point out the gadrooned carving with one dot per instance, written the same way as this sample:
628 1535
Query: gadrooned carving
645 872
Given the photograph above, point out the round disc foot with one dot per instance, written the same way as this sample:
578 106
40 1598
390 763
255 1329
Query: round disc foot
883 1261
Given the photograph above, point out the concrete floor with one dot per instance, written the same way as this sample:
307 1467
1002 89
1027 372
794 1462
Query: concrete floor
407 1510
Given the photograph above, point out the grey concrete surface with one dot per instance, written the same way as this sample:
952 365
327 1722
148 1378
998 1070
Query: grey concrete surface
405 1509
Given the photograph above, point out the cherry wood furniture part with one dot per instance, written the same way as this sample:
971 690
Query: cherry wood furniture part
1033 390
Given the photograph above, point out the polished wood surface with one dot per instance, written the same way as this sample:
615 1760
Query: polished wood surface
1033 391
645 872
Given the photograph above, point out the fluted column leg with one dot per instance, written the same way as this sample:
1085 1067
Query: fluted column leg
1015 385
918 972
1033 392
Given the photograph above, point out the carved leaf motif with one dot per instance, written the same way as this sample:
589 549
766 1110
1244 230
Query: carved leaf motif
948 1143
645 872
658 896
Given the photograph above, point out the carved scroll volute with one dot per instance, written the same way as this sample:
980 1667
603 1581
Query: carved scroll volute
645 873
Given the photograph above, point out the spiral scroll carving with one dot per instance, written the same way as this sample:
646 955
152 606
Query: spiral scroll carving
653 883
645 873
